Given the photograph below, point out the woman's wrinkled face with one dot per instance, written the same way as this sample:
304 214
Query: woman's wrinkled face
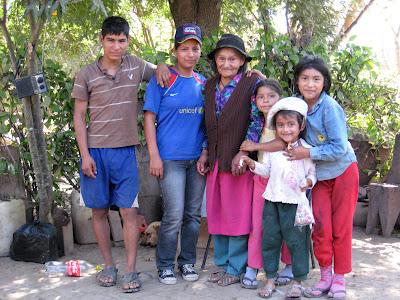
228 62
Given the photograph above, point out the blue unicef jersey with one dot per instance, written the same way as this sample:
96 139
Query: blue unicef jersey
179 111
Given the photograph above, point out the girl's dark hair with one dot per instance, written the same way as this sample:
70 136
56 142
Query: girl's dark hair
269 83
242 68
312 62
115 25
286 113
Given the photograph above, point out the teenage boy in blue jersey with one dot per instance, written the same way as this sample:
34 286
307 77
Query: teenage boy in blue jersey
174 133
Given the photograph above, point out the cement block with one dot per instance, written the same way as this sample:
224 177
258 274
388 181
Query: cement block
361 214
384 206
68 238
150 204
150 207
115 226
11 186
12 216
81 221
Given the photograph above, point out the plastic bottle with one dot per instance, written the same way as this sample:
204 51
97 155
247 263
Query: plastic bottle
73 268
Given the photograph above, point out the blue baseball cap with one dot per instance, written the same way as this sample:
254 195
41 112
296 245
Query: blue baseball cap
186 32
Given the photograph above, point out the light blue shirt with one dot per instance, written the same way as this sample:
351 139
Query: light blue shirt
326 132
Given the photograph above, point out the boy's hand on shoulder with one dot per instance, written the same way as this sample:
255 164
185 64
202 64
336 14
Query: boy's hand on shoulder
249 146
162 74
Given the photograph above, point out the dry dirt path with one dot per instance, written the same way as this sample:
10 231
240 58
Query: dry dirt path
376 275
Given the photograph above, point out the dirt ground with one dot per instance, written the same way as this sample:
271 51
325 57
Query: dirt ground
376 275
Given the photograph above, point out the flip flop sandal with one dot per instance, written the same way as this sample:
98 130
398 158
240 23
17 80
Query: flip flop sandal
312 292
228 280
250 286
283 280
105 274
333 294
266 292
216 276
294 292
128 279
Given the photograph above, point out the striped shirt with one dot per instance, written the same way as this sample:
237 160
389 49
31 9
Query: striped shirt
112 101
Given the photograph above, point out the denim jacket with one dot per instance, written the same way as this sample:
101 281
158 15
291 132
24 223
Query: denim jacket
326 132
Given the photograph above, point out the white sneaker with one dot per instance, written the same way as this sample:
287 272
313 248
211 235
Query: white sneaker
167 276
188 272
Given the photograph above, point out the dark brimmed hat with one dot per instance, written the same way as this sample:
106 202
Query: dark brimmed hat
230 41
186 32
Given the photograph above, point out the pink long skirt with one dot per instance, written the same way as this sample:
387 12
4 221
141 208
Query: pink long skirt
229 202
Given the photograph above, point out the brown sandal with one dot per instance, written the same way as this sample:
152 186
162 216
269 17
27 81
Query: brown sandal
228 280
216 276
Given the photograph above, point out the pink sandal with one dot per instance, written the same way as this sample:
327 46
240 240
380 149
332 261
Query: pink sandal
315 292
338 289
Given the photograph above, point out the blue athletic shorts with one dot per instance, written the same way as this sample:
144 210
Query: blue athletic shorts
117 179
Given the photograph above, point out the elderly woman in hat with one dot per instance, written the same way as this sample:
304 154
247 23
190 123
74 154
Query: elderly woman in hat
229 122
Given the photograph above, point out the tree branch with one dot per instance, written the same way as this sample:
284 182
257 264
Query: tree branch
4 12
7 36
355 21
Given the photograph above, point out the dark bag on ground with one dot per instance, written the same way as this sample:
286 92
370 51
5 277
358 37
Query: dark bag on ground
35 242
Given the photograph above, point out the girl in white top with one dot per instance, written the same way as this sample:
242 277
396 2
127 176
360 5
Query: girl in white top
288 182
266 94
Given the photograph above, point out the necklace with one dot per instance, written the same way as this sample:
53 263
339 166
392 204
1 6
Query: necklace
221 85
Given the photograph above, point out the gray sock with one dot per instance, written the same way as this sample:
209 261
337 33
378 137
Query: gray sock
286 272
250 274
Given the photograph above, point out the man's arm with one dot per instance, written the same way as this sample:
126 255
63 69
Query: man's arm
88 164
161 72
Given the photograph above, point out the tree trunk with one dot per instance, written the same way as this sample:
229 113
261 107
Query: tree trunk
204 13
32 108
34 123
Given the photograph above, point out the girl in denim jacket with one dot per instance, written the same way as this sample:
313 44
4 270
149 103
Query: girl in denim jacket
334 196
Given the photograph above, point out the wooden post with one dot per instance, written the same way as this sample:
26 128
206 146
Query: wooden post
384 206
394 172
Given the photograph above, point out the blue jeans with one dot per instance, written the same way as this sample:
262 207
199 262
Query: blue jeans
182 189
230 253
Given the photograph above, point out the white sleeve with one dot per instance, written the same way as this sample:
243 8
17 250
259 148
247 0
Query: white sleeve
263 170
310 171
